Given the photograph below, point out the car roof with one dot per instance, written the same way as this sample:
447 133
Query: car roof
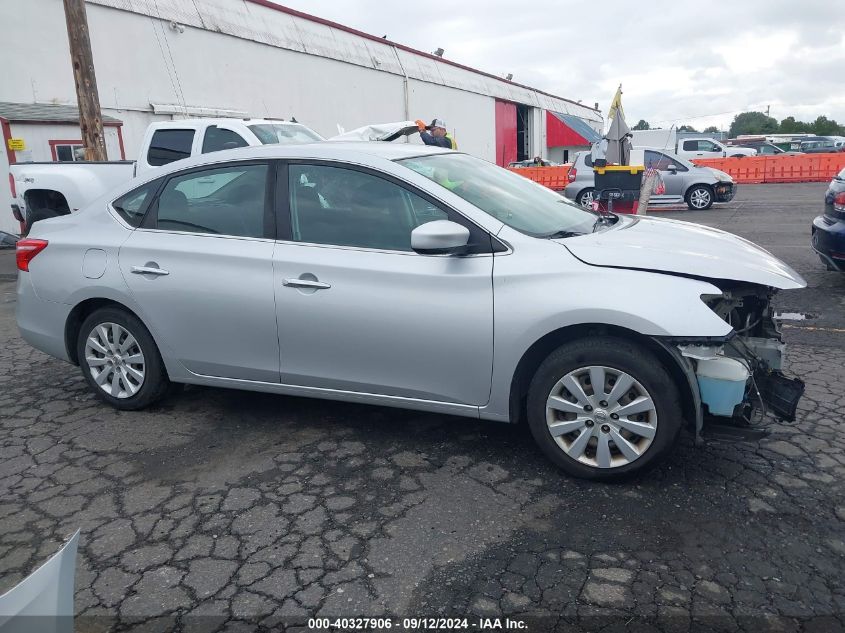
181 123
353 152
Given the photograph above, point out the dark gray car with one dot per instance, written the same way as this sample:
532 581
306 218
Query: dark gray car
698 186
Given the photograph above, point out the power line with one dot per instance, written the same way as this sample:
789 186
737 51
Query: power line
700 116
164 59
172 62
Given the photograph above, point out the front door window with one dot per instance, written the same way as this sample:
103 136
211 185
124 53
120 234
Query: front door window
346 207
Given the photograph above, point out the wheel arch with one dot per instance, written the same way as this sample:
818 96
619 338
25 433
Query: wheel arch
582 191
41 204
82 311
541 348
32 196
689 190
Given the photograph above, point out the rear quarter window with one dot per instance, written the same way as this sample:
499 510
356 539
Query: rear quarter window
217 139
133 206
168 146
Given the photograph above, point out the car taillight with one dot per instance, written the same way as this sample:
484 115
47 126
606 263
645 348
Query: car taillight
572 174
26 249
839 201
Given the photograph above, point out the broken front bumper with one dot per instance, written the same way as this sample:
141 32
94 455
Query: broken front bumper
742 376
724 191
763 388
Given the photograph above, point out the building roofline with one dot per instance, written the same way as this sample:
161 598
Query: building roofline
58 122
335 25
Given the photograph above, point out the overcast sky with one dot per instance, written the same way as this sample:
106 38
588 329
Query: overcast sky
679 61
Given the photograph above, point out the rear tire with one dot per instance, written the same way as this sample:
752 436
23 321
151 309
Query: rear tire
120 361
700 197
582 433
585 198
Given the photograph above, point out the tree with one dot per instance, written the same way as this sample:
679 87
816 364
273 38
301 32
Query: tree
711 130
821 126
687 128
825 127
642 125
790 126
752 123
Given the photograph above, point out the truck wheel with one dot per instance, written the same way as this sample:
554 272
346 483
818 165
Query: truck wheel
120 360
700 197
585 198
603 409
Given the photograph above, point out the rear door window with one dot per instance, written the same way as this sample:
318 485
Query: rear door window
169 145
220 201
219 138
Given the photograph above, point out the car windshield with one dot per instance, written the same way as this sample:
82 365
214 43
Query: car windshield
284 133
514 200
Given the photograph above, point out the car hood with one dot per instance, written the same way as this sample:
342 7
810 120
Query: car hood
720 175
683 248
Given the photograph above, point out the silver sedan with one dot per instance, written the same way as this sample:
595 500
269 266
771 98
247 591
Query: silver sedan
394 275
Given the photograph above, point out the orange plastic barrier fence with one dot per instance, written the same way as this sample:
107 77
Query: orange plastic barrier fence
779 168
552 177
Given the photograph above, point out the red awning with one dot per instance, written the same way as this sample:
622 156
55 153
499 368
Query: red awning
568 131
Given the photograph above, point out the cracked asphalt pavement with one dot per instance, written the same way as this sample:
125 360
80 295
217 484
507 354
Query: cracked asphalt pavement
231 511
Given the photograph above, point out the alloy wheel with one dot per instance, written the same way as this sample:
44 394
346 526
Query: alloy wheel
700 198
601 417
587 199
115 360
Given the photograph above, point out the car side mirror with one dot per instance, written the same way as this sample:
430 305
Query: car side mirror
440 237
673 168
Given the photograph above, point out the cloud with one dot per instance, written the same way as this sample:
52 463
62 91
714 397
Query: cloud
683 62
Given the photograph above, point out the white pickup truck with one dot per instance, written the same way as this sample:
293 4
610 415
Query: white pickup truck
686 147
45 190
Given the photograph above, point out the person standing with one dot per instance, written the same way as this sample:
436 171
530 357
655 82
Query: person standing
598 153
436 134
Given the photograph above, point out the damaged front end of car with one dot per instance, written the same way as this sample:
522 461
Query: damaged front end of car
739 378
742 377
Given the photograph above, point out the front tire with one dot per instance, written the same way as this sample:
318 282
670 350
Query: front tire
120 361
700 197
608 432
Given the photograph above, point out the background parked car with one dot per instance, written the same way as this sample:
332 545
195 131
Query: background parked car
820 145
829 228
763 148
686 147
532 163
45 190
698 186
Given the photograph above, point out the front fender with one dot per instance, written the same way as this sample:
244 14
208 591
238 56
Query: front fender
651 304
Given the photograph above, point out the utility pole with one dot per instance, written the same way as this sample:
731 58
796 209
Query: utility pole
767 110
90 118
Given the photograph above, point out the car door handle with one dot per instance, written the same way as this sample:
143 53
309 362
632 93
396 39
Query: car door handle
149 270
306 283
